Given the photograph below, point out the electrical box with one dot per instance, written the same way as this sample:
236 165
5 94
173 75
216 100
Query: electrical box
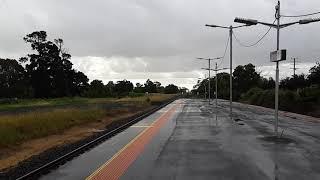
279 55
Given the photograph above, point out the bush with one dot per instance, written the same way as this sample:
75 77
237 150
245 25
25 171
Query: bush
133 94
300 101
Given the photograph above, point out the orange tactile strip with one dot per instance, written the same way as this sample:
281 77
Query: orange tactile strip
120 162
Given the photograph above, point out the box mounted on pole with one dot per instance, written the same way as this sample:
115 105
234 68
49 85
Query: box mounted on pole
279 55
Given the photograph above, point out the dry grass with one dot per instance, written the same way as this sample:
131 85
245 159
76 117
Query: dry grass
11 156
25 134
153 98
17 128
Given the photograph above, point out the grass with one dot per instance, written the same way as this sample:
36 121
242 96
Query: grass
18 127
151 98
21 103
27 103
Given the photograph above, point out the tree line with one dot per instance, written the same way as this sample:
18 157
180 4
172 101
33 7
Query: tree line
245 77
48 73
298 93
125 88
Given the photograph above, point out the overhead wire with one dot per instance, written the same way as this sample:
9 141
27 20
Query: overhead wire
225 52
253 44
301 15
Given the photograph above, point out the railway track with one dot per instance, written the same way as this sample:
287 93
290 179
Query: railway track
105 135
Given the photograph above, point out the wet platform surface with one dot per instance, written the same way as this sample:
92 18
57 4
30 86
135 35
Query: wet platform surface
190 139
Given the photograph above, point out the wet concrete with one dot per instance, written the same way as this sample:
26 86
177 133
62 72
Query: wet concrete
201 142
206 145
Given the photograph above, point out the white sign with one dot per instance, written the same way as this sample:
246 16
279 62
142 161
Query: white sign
279 55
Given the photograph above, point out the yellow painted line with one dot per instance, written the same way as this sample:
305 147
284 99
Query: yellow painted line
125 147
142 126
114 156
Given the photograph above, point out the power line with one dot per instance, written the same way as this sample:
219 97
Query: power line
251 45
225 51
302 15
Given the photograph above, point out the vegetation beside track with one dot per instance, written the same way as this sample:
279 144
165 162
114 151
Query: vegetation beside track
21 127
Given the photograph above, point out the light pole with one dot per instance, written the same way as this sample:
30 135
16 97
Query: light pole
230 37
216 80
209 63
278 26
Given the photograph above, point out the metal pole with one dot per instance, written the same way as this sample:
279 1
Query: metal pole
294 67
230 34
277 72
216 86
209 80
205 88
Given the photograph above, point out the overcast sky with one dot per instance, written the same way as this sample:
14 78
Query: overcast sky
158 39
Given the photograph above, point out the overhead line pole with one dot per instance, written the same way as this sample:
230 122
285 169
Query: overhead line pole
294 66
209 63
230 79
277 72
216 86
205 87
209 95
278 26
230 28
216 81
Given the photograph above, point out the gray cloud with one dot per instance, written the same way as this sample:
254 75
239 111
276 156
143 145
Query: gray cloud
154 37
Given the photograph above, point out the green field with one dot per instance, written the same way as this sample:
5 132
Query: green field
18 127
25 103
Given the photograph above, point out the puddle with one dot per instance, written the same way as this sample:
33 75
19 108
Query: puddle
278 140
236 120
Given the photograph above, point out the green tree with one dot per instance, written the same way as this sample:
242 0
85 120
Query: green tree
314 77
223 85
171 89
49 69
96 89
245 77
122 88
294 82
150 87
267 83
13 82
160 89
110 89
139 88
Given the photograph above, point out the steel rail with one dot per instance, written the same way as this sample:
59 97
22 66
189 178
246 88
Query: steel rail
107 133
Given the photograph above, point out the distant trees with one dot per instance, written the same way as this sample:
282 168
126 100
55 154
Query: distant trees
122 88
150 87
110 89
294 82
299 93
96 89
139 88
171 89
267 83
245 78
48 73
314 76
301 81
